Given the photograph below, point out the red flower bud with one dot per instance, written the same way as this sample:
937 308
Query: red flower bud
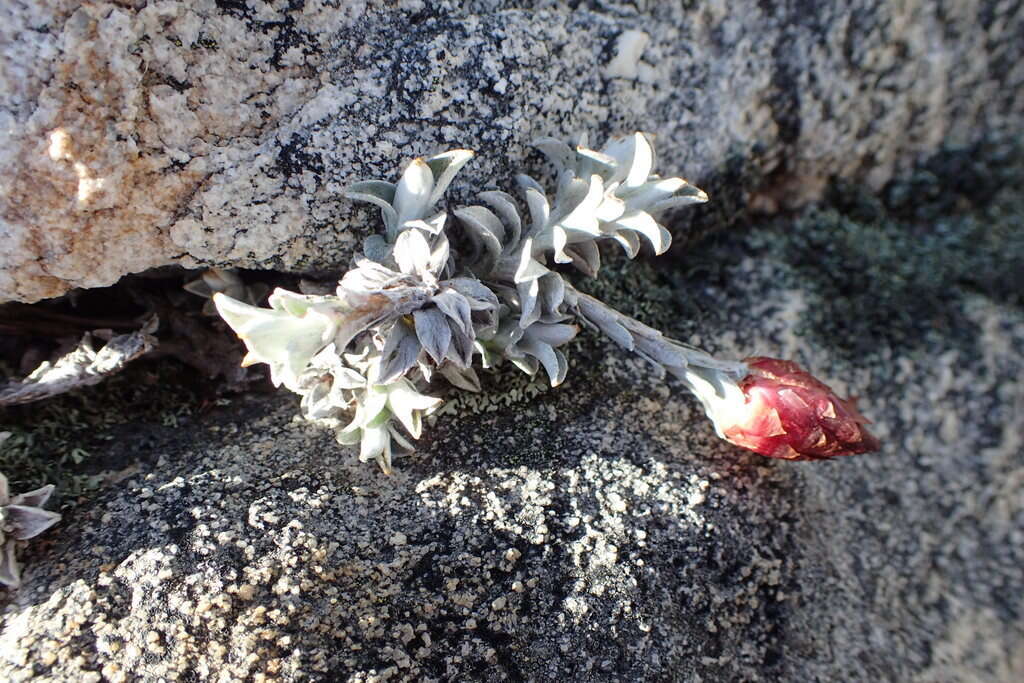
791 415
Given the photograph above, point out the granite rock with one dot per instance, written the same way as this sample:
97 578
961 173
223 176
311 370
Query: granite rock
140 134
597 531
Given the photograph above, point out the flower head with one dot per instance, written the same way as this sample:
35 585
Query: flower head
789 414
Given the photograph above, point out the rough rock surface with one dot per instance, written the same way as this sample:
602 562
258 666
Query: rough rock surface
598 531
136 134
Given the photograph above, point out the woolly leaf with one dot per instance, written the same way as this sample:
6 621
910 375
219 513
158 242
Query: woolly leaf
433 332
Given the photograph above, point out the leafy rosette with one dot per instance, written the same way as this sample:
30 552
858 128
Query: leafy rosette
410 202
432 316
610 194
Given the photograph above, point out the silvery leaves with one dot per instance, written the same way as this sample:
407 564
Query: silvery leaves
414 308
409 202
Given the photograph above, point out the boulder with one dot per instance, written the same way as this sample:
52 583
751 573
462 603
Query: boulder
142 134
597 531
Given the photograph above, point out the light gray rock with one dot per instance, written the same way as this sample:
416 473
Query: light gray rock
139 134
597 531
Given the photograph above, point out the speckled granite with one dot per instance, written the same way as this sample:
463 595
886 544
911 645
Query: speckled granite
137 134
594 532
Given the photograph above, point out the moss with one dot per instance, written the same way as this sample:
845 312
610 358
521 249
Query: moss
891 268
887 278
77 440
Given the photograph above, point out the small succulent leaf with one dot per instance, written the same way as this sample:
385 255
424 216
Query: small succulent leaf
461 350
366 277
508 334
425 367
402 441
456 307
504 207
10 575
484 226
412 253
610 209
584 216
379 193
620 149
290 302
407 404
528 292
380 190
444 167
374 442
376 248
547 357
552 293
35 498
529 269
679 200
572 192
412 195
478 294
487 244
656 190
563 368
526 182
462 378
643 223
373 402
5 491
560 238
348 437
641 163
552 334
400 353
26 522
439 254
600 160
557 152
586 257
379 420
630 242
527 364
384 458
433 332
540 210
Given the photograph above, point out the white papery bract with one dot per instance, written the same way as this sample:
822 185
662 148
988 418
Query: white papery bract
430 294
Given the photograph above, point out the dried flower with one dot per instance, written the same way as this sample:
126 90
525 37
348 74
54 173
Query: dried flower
21 518
778 409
